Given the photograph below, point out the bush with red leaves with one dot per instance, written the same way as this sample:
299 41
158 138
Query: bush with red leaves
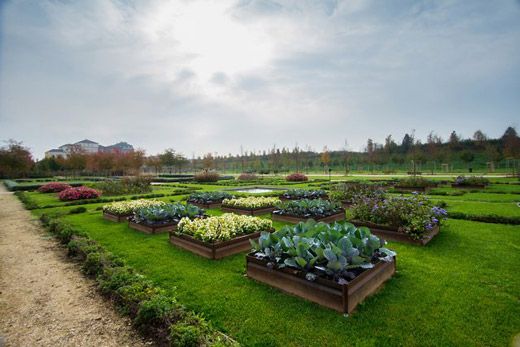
79 193
206 176
247 177
53 187
297 177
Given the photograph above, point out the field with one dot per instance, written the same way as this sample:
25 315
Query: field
462 289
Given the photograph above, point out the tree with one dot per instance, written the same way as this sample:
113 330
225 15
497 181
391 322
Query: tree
15 160
480 138
325 157
511 143
155 162
407 143
454 141
467 157
208 162
390 145
167 159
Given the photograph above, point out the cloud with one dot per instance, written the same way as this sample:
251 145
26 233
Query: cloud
209 76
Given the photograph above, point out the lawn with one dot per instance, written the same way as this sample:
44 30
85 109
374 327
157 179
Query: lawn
462 289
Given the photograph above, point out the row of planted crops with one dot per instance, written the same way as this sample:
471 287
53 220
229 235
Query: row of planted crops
318 256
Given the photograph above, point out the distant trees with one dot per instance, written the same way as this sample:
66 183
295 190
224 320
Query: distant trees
15 160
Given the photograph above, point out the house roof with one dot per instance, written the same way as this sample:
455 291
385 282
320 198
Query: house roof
55 150
86 141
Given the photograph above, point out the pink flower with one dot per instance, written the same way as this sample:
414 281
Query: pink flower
79 193
53 187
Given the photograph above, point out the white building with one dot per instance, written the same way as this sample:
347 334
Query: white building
88 146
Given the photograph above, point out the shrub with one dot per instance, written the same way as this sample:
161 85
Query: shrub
125 186
222 228
307 208
413 215
339 252
77 210
206 176
415 182
53 187
471 181
79 193
247 177
297 177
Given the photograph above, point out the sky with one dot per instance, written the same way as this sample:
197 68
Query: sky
212 76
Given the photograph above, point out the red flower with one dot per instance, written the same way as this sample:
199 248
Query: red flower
79 193
53 187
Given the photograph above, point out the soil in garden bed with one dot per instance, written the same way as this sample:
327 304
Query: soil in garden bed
215 250
392 234
340 297
249 212
336 217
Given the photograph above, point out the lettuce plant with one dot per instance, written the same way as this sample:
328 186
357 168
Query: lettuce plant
166 213
209 197
224 227
308 208
251 202
304 194
338 252
413 215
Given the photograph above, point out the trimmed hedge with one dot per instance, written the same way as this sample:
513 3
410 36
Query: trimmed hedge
491 218
154 313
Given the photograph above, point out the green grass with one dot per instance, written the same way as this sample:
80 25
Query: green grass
462 289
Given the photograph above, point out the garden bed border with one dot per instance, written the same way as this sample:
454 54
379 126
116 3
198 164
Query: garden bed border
391 234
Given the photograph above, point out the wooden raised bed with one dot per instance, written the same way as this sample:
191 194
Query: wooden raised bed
115 217
152 229
391 234
346 204
473 186
206 206
215 250
294 219
340 297
249 212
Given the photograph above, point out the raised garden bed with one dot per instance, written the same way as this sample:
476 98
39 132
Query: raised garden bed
153 228
340 297
336 217
115 217
213 250
206 206
249 212
391 234
283 198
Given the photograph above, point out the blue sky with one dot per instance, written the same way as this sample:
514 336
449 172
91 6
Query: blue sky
210 76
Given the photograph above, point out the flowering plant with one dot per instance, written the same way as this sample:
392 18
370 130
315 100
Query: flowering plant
126 208
251 202
304 194
206 176
413 215
471 181
166 213
79 193
224 227
297 177
415 182
351 192
53 187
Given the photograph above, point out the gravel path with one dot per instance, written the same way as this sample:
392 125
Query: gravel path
44 299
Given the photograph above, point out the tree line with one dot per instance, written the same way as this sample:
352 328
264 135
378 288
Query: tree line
410 154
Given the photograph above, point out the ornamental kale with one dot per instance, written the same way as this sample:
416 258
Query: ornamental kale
338 252
209 197
304 194
167 213
308 208
351 192
413 215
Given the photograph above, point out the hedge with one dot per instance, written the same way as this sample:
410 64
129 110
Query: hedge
491 218
154 313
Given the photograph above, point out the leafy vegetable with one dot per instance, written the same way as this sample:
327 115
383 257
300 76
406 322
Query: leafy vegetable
166 213
304 194
339 252
308 208
209 197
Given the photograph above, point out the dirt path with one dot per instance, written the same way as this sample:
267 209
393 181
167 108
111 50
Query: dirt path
44 299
